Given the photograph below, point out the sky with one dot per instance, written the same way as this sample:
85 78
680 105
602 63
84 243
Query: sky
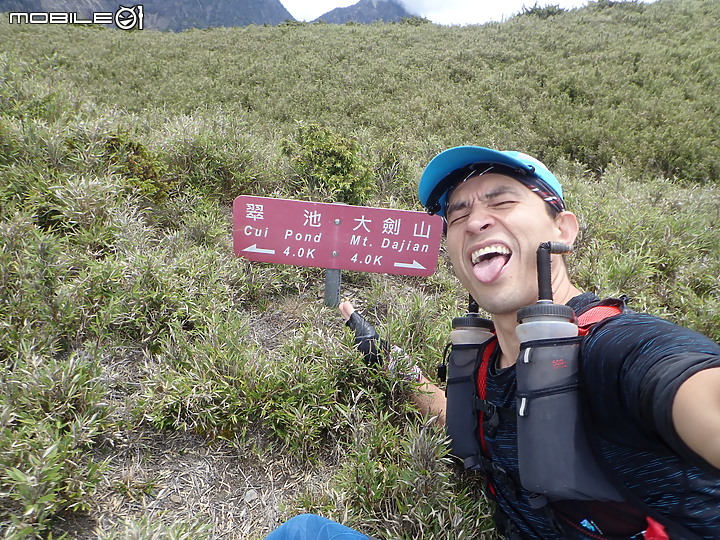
438 11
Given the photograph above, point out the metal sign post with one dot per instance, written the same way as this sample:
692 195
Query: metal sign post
333 278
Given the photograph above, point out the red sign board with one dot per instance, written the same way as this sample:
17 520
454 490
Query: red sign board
336 236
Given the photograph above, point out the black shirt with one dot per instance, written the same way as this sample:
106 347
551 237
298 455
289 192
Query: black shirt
631 366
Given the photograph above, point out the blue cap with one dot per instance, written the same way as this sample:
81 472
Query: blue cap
455 165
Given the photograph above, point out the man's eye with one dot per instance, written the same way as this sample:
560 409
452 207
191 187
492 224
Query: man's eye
504 203
457 216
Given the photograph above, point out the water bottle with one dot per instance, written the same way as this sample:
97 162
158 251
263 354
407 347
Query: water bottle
468 336
554 455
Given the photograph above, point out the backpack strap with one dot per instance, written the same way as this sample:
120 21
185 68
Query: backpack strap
486 418
482 387
493 415
599 312
596 314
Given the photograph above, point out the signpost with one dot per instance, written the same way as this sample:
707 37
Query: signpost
336 236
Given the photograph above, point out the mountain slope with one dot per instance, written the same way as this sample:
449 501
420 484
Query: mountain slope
367 11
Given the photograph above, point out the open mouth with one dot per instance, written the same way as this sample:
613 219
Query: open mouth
488 262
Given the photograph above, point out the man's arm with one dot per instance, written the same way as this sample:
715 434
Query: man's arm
696 414
660 377
430 400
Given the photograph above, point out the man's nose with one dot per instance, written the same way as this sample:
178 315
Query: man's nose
479 219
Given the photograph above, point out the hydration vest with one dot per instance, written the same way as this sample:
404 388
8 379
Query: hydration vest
471 419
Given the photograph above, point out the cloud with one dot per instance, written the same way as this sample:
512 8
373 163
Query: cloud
476 11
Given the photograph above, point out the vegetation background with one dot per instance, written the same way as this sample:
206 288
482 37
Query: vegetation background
155 386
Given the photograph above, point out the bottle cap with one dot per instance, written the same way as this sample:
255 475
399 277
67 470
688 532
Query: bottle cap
473 320
546 310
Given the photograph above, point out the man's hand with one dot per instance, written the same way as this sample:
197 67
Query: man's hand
376 350
428 398
367 339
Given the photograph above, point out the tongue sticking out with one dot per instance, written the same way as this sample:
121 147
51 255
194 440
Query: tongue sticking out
487 270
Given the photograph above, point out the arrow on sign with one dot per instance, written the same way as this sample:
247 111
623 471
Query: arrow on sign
414 264
255 249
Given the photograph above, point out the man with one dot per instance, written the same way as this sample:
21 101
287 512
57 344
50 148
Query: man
658 399
651 389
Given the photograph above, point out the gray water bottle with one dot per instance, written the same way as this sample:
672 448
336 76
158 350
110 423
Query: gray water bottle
545 319
554 455
468 336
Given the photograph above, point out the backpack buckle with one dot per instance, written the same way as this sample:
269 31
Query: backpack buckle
491 418
503 478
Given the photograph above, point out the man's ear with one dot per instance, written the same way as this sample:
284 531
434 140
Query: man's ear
567 224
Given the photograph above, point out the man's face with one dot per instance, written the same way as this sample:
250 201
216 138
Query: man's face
495 225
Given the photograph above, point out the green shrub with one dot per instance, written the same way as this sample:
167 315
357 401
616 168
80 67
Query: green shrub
51 412
219 384
542 12
36 316
412 492
140 171
118 153
329 167
9 149
219 155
